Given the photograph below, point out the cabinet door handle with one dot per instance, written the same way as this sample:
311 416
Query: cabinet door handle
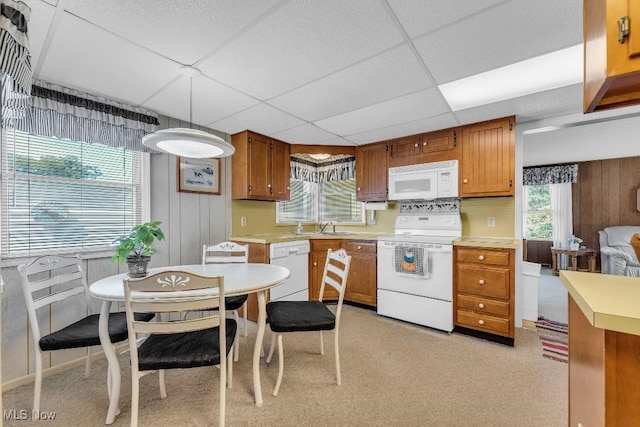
424 144
415 145
315 263
480 322
481 257
268 185
481 305
481 281
359 248
465 181
358 188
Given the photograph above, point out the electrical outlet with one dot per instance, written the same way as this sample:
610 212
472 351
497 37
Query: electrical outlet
491 221
243 221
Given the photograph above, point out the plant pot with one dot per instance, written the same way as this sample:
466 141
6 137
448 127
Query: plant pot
574 246
138 265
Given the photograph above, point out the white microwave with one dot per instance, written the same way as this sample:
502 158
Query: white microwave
425 181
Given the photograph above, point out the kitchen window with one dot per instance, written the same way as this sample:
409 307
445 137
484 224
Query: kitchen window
539 215
322 191
67 196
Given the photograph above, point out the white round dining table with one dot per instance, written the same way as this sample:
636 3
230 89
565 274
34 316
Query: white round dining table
239 279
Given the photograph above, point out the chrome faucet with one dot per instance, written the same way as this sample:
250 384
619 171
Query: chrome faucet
321 226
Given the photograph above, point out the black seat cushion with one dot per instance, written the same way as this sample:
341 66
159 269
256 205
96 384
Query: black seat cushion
84 333
293 316
235 302
184 350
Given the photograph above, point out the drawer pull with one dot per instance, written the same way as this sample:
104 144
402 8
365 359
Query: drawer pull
481 305
480 322
481 281
481 257
415 145
359 248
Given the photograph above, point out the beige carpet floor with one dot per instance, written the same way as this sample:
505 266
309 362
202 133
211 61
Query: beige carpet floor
393 374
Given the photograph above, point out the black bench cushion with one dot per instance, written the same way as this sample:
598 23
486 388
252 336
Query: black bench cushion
84 333
184 350
293 316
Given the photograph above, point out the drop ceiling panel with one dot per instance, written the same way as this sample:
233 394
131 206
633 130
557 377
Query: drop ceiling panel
308 133
389 75
211 100
535 106
301 42
41 18
261 118
443 121
102 64
417 19
185 31
404 109
517 30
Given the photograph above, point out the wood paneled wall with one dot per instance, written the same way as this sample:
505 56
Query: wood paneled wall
605 195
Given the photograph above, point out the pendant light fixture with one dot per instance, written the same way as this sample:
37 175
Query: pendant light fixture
191 143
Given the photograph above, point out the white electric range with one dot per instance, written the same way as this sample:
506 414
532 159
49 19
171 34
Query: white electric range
415 269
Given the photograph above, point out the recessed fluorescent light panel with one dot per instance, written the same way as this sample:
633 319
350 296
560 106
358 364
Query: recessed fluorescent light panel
553 70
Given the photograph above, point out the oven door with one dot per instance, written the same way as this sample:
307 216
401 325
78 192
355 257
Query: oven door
416 269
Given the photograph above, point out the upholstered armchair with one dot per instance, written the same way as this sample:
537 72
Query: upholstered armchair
617 254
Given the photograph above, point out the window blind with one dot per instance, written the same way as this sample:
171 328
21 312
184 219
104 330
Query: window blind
63 196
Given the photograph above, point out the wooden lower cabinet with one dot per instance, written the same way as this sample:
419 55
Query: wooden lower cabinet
484 291
604 374
362 284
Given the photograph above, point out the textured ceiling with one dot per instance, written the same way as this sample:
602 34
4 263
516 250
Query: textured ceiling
332 72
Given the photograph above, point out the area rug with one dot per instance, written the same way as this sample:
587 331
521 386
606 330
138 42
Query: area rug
555 339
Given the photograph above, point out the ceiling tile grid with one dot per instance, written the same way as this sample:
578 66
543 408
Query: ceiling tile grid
328 72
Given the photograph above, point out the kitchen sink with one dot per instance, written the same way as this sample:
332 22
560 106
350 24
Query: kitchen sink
325 233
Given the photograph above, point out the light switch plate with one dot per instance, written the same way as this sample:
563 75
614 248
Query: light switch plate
491 221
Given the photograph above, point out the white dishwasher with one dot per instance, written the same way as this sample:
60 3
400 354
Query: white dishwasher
295 257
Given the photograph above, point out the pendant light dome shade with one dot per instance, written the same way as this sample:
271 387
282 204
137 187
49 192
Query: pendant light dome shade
187 142
191 143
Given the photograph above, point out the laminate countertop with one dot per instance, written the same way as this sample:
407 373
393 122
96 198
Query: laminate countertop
607 301
488 242
291 237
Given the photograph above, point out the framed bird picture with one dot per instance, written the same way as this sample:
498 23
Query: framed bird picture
198 175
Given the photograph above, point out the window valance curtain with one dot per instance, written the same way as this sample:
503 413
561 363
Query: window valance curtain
333 170
68 114
543 175
15 60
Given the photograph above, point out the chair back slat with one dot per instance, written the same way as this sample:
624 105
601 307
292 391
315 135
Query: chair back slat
336 272
173 327
49 263
224 253
59 296
38 285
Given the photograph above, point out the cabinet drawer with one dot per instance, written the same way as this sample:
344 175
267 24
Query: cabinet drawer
365 246
483 256
483 305
325 244
484 281
491 324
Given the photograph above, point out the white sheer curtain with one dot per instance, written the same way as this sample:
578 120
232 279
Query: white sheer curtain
562 215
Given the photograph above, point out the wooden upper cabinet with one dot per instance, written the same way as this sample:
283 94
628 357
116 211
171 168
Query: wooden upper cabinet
371 172
423 148
488 159
611 68
260 167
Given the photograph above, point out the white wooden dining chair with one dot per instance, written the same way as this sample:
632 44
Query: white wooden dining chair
223 253
182 343
49 282
306 316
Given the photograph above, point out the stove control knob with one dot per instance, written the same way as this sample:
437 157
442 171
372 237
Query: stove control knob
481 305
481 281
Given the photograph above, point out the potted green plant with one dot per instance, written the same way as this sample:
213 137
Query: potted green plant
136 247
